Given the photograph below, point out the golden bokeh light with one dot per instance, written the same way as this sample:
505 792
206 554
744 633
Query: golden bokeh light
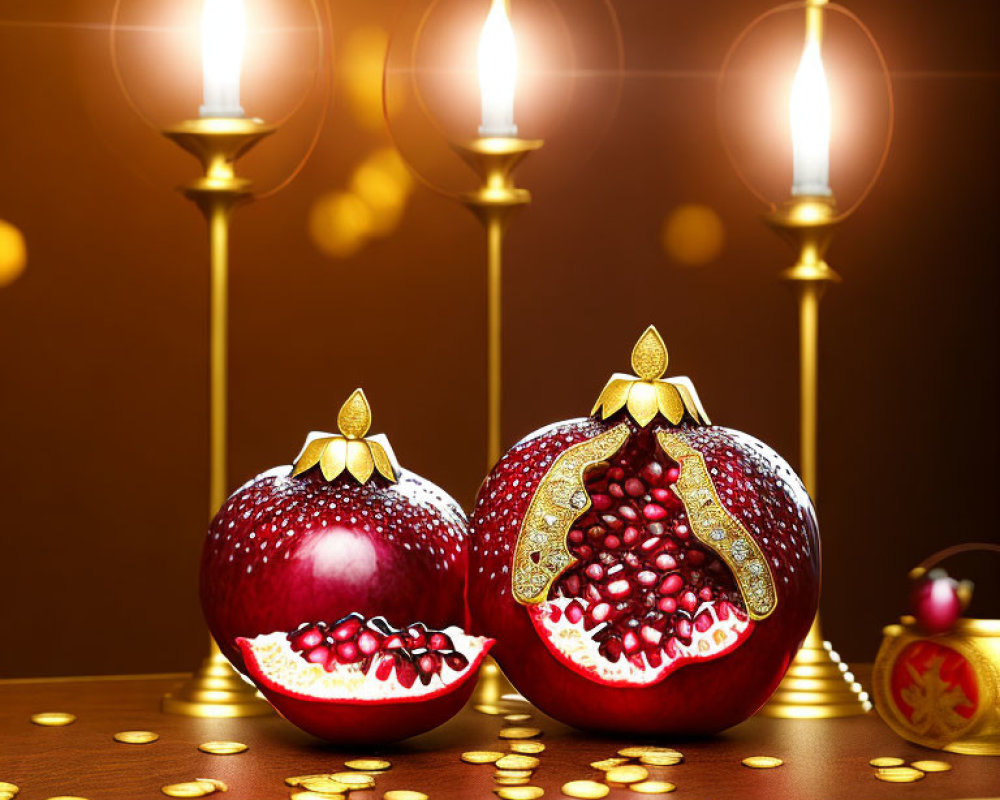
13 253
693 234
339 224
361 68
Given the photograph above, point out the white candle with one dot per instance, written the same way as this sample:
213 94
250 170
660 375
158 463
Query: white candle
223 33
810 119
497 72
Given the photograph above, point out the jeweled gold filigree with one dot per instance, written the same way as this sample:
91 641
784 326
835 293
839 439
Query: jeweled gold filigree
716 528
541 555
647 392
352 449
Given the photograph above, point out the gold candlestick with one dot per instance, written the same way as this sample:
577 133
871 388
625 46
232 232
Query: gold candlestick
216 689
818 685
494 160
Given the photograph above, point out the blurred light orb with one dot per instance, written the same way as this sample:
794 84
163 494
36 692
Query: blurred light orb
384 184
340 224
693 235
360 72
13 253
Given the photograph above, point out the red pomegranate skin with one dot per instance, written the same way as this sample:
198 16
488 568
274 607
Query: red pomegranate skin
755 485
935 603
286 550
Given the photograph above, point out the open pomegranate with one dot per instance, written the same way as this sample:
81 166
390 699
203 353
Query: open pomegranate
643 570
337 585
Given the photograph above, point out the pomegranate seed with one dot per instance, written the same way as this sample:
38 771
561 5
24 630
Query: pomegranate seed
619 589
601 502
310 637
384 669
572 585
628 513
653 512
631 535
616 491
671 584
663 495
576 536
440 641
346 629
347 653
650 635
705 593
655 529
416 634
654 657
429 663
665 561
612 542
683 629
673 474
611 649
595 571
689 601
574 612
595 532
456 661
695 558
616 473
647 577
667 604
318 655
612 522
703 622
406 673
368 643
600 612
592 593
650 544
671 648
630 642
635 487
555 613
682 531
652 472
722 610
394 642
584 551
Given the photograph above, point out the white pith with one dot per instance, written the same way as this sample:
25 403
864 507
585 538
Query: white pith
280 665
579 648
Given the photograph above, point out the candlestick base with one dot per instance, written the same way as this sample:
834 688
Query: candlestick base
216 690
493 159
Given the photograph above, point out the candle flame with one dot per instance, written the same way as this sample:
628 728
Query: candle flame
223 36
810 121
497 72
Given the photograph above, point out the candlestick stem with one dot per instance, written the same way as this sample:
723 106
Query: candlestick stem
215 689
494 292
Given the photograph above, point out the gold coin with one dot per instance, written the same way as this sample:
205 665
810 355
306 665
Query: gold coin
887 761
188 789
223 748
492 710
532 748
931 766
506 780
516 774
296 780
762 762
640 750
481 756
520 792
517 717
608 763
7 795
368 764
136 737
327 784
53 719
67 797
218 785
660 759
652 787
899 774
404 794
516 761
586 789
305 794
355 780
11 788
626 774
519 733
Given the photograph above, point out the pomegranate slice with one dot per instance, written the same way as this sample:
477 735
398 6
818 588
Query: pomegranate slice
394 683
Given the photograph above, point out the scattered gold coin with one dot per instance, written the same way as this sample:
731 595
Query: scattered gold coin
188 789
608 763
223 748
640 750
355 780
305 794
762 762
326 784
517 717
11 788
899 774
296 780
652 787
516 774
519 733
66 797
492 710
591 790
626 774
136 737
7 795
368 764
517 761
481 756
507 780
53 719
404 794
220 786
661 759
887 761
533 748
931 766
520 792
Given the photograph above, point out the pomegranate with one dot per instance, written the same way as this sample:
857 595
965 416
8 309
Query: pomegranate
937 601
643 570
337 585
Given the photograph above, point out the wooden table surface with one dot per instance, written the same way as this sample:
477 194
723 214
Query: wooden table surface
826 760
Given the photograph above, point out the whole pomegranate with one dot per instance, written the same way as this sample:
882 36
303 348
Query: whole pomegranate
938 600
643 570
338 585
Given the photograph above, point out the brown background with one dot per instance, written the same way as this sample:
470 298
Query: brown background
103 362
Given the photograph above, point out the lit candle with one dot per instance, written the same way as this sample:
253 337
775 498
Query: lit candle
497 72
223 33
810 118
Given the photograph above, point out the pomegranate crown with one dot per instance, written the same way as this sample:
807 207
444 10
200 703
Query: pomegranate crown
648 393
352 449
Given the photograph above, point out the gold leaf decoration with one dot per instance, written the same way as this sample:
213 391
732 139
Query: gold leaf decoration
649 356
355 417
